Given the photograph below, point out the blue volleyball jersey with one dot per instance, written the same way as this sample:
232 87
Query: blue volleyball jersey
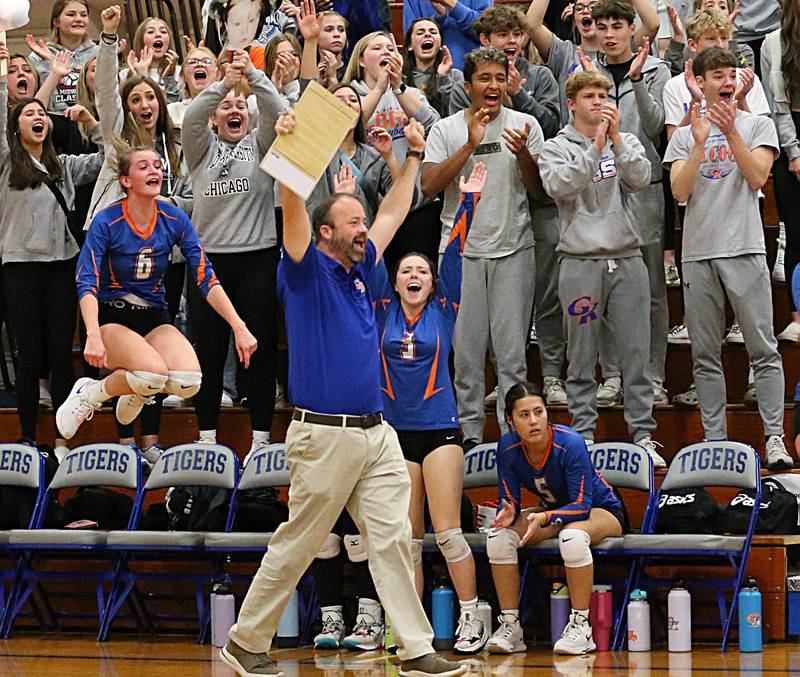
565 481
415 377
116 260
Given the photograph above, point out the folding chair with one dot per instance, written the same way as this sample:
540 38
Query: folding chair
719 464
92 465
480 470
21 466
196 464
264 468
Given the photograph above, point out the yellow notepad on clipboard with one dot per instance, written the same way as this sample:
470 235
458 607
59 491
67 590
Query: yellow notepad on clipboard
298 160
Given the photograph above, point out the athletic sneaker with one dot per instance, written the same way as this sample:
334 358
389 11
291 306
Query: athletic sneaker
130 406
431 664
555 390
226 400
76 409
678 334
791 333
532 338
650 444
576 638
687 400
247 664
778 270
151 453
59 452
45 398
491 399
776 457
332 632
367 634
609 393
660 394
671 275
750 399
734 334
173 401
508 637
471 634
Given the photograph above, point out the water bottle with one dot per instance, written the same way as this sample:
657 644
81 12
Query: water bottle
288 634
559 611
444 623
679 621
223 611
485 614
750 617
601 616
638 622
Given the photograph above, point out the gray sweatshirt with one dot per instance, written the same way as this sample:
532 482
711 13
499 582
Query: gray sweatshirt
445 85
233 198
775 91
109 109
539 97
66 93
677 54
757 18
590 189
33 227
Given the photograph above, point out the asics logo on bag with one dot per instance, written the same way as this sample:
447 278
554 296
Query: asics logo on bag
206 460
714 458
675 500
748 501
583 307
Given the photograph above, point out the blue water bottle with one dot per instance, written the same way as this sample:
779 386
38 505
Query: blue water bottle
444 624
750 617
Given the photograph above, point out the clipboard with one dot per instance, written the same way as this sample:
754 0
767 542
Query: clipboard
298 160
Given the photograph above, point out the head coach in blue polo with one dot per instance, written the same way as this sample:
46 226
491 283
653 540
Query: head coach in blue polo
340 451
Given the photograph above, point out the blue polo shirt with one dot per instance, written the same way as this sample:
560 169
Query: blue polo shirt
334 363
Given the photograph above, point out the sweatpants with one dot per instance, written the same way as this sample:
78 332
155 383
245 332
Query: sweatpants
647 208
745 280
547 307
41 307
496 307
249 278
332 468
618 292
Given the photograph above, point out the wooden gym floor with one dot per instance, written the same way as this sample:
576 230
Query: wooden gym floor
79 655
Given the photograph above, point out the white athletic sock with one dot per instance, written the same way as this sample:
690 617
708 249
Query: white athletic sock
208 436
371 607
468 605
335 609
511 612
581 615
96 391
261 436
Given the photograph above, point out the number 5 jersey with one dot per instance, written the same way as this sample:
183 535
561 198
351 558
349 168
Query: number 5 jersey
119 262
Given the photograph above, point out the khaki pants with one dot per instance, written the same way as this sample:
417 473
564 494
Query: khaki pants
332 468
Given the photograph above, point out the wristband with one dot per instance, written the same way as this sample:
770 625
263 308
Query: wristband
108 38
400 90
419 154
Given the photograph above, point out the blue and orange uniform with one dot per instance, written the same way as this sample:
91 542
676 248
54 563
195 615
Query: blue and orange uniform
565 481
116 261
415 378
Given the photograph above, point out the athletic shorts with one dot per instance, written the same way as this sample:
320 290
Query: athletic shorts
139 319
417 444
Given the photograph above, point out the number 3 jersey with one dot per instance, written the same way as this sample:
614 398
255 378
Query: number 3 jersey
415 378
117 261
565 481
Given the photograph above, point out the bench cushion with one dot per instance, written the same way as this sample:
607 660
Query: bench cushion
697 542
245 539
156 539
57 537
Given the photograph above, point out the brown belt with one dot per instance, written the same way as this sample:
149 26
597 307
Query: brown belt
340 421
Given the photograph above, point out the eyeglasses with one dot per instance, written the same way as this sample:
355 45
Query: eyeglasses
578 8
206 61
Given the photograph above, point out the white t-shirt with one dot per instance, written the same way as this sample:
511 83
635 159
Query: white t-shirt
502 221
677 99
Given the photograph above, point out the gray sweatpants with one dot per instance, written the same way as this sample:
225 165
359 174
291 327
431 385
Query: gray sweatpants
746 282
547 306
496 306
647 206
617 290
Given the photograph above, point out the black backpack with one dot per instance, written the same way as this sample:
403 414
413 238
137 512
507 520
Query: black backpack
777 514
259 510
110 509
17 503
197 508
691 510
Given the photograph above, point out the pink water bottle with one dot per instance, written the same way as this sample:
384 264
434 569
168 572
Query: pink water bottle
601 616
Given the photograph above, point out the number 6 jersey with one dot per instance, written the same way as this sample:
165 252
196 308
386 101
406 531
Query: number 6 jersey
117 261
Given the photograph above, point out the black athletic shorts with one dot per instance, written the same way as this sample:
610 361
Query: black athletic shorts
140 319
417 444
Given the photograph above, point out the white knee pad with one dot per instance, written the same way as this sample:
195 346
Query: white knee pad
416 552
574 546
453 545
502 546
331 547
356 546
145 382
184 384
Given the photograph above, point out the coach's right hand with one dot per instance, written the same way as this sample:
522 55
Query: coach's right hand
95 351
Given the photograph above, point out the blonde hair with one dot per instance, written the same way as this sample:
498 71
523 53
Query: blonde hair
583 80
707 23
85 98
354 70
138 37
